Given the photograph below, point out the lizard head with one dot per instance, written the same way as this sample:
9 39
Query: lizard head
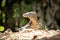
29 14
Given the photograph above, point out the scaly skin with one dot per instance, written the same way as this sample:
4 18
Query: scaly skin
33 18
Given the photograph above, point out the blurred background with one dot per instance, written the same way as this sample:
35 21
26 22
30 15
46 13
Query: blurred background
11 11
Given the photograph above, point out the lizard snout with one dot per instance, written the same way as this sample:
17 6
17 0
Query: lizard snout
24 15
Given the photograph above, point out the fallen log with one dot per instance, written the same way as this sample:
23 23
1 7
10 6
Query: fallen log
31 34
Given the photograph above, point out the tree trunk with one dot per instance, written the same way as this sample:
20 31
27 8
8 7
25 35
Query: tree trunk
8 14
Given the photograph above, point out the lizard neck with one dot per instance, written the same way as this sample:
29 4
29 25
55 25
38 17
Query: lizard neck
34 21
34 24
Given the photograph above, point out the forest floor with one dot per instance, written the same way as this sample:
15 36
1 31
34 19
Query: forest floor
30 34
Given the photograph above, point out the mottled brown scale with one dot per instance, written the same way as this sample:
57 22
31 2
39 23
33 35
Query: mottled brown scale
33 18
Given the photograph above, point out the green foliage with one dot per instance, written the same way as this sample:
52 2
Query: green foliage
1 28
28 7
3 16
16 11
24 22
3 3
44 26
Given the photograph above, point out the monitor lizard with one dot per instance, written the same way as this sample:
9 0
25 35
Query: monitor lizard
33 18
